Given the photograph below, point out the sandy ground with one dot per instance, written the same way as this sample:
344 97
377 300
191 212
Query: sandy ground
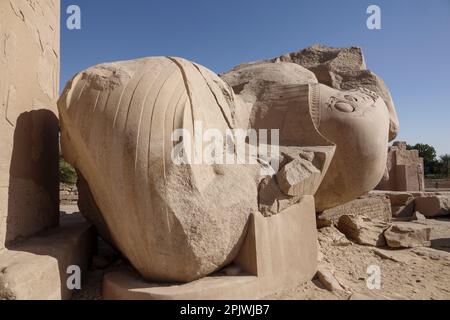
419 273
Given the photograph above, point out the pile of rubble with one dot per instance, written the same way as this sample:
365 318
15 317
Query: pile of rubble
402 228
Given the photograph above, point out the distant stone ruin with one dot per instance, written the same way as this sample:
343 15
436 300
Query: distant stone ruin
404 170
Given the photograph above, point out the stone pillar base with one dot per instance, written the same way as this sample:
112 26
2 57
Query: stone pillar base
36 268
279 253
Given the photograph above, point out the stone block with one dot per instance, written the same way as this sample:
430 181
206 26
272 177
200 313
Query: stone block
373 207
433 206
408 235
362 230
36 268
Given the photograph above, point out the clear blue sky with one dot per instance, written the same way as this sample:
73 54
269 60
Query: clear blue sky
411 52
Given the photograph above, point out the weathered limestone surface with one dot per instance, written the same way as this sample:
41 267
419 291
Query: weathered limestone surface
404 170
36 268
402 203
251 82
29 83
332 236
398 198
433 206
373 207
340 68
363 230
174 222
408 236
302 171
277 104
325 274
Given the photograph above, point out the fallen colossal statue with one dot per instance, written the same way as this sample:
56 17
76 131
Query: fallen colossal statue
179 221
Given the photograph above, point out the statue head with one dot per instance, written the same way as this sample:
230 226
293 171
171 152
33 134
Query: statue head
357 122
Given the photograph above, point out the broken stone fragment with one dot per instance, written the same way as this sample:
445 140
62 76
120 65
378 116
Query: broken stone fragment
433 206
399 198
409 235
325 274
289 154
298 177
402 203
401 256
403 211
332 236
302 170
323 222
433 254
271 200
375 207
362 230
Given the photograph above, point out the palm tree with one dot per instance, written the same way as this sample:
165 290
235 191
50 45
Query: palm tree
445 160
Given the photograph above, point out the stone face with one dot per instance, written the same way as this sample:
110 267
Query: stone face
408 236
29 84
340 68
433 206
373 207
279 104
362 230
252 81
404 170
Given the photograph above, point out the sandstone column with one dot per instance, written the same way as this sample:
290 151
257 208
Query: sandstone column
29 82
